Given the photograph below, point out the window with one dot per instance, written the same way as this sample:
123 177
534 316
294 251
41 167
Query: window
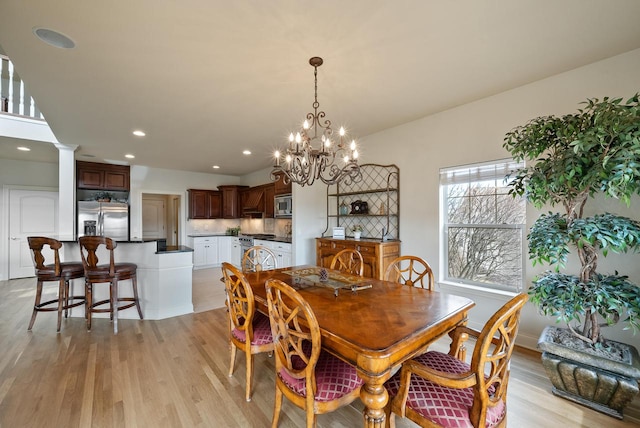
483 226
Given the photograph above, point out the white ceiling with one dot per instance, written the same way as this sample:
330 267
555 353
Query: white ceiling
208 78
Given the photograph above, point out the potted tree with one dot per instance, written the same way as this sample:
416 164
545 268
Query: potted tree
574 158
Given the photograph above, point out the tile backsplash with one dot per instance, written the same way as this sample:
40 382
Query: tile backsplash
278 227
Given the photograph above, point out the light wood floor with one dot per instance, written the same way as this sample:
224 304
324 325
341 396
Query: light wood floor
173 373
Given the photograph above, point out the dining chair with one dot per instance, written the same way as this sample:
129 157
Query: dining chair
60 272
410 270
439 390
112 273
258 258
308 376
348 261
249 330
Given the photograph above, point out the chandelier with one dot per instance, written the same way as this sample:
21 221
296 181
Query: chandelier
314 152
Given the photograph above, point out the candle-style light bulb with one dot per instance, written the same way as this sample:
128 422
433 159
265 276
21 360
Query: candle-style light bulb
305 125
342 132
288 158
346 159
298 138
291 137
355 154
277 156
353 144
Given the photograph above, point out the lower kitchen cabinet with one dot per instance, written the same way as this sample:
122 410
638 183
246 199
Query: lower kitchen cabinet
211 251
282 251
376 254
205 252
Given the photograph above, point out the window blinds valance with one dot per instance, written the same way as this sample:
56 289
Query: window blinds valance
479 172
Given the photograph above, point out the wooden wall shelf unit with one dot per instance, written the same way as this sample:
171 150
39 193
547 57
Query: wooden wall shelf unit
376 255
380 189
102 176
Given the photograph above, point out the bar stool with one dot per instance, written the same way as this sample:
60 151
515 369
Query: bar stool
111 273
57 271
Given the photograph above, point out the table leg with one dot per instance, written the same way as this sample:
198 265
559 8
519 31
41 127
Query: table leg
374 396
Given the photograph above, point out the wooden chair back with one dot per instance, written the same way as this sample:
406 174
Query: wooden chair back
38 244
258 258
239 299
88 251
248 330
348 261
410 270
487 376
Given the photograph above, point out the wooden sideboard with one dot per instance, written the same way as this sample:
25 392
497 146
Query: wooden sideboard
376 254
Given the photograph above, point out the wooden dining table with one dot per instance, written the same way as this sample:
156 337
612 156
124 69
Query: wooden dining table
371 324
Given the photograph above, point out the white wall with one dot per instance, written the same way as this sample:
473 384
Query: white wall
473 133
20 173
174 182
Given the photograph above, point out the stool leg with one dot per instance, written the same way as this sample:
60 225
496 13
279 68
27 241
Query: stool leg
88 291
61 300
114 304
135 295
36 304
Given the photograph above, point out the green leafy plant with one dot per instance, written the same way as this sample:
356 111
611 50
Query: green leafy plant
573 158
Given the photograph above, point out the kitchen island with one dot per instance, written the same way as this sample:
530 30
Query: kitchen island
164 278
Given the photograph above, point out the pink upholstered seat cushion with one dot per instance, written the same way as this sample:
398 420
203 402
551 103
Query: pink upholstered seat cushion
447 407
261 331
334 379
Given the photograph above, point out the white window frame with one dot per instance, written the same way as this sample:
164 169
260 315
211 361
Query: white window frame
469 174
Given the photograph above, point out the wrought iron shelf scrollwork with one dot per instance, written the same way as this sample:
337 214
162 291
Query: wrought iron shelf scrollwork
379 190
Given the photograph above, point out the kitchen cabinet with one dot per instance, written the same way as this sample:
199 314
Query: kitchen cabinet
376 254
231 207
235 257
204 204
280 188
282 251
269 196
224 249
205 252
101 176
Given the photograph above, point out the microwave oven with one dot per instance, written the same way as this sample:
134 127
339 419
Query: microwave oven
283 206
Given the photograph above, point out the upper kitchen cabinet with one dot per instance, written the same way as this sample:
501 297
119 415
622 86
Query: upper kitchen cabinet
269 196
280 187
231 204
102 176
204 204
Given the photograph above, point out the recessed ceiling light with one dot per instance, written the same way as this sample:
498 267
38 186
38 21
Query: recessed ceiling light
216 167
139 133
246 152
24 149
129 156
54 38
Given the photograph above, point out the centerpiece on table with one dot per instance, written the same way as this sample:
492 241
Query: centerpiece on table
357 231
595 151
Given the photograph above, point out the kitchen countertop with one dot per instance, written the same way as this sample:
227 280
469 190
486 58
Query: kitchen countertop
285 239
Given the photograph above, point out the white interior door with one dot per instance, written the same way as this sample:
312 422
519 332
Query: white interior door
31 213
153 218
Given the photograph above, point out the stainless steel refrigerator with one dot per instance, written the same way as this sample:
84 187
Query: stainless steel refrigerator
110 219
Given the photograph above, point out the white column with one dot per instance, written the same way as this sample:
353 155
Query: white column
66 190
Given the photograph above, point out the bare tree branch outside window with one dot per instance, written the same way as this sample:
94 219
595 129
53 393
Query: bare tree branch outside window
484 231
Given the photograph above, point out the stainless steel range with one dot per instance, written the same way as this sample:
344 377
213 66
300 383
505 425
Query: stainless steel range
247 240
